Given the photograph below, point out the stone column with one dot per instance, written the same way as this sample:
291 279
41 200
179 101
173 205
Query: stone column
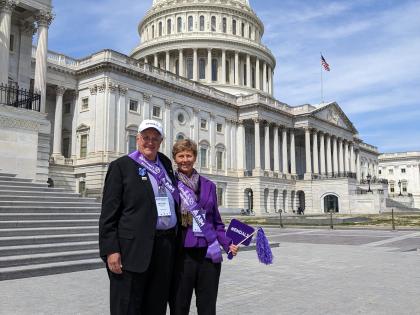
257 168
285 169
315 151
236 68
346 157
168 127
195 63
267 157
155 60
223 80
358 171
270 81
234 155
340 156
292 152
43 20
146 61
74 121
264 80
335 155
208 72
146 105
167 61
352 170
322 152
257 74
276 149
181 62
248 70
240 140
212 132
329 162
58 122
6 9
228 147
308 153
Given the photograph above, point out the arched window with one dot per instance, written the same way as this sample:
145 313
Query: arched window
177 67
153 31
227 72
234 27
179 25
224 25
253 77
189 68
244 75
180 136
202 68
249 31
201 23
160 28
190 23
243 29
213 24
168 27
214 68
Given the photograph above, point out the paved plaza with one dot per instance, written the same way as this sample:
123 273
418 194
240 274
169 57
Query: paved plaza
316 271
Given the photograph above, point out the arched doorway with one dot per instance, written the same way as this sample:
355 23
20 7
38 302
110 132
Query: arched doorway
249 199
331 203
266 200
284 201
300 202
275 199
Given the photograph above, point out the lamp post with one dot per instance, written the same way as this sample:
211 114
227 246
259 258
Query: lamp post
368 178
281 220
399 186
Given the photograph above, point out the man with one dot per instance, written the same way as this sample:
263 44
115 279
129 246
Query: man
137 226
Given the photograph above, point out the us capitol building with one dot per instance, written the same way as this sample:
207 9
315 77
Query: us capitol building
202 70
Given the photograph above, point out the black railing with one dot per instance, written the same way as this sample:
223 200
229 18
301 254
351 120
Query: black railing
20 98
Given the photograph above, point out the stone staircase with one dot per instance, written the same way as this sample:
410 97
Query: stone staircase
45 230
398 206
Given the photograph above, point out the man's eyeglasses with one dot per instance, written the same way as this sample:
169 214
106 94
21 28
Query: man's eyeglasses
150 139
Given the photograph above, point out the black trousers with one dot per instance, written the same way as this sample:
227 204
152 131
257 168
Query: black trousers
145 293
197 273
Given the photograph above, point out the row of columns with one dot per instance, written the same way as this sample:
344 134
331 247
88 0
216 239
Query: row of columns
43 19
260 66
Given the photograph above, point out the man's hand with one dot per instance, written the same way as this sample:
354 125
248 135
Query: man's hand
114 263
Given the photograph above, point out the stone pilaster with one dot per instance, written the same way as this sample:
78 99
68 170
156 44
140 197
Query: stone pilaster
146 105
315 151
241 148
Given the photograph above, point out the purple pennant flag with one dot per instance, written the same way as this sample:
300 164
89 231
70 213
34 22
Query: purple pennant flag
239 233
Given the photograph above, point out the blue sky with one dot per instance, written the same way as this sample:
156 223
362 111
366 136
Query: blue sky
372 46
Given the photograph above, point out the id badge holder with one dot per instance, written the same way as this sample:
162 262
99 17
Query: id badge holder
195 228
162 203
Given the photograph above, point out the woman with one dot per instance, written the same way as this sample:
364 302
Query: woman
199 262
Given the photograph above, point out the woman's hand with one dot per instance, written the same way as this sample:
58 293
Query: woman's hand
233 249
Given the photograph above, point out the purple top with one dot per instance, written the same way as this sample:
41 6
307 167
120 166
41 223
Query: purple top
172 221
208 202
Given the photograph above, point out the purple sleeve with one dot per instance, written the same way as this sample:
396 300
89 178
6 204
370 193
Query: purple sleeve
219 225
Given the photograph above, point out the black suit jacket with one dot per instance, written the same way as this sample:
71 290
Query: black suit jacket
128 218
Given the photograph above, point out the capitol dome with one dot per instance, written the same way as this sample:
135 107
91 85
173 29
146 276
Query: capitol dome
214 42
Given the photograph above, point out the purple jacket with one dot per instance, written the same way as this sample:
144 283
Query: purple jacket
208 202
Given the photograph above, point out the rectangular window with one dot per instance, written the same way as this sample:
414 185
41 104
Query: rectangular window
219 127
179 24
12 42
219 160
213 24
132 143
224 25
156 111
83 146
379 172
190 24
202 23
403 170
404 186
189 68
67 108
134 105
201 68
234 27
65 147
391 171
219 196
203 123
85 103
203 157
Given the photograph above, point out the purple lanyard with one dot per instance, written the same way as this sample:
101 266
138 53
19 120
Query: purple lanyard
156 171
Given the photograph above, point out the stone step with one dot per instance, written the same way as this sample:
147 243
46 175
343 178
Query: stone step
47 223
7 175
31 189
48 230
35 209
47 248
33 259
41 194
56 204
47 239
15 179
44 199
49 268
5 183
47 216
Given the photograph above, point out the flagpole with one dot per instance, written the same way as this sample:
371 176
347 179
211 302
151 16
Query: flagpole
322 83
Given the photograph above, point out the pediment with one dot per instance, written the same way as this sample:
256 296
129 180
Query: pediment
333 114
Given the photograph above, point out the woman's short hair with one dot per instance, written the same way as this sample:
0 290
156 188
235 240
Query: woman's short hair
184 145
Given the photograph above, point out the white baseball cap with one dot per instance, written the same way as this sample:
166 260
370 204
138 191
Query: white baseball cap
149 123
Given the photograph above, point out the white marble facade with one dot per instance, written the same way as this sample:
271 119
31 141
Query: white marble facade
201 69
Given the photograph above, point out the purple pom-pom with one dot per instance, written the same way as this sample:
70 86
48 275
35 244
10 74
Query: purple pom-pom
263 248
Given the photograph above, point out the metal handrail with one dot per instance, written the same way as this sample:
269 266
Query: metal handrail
20 98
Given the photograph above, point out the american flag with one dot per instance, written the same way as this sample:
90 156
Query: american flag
324 63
